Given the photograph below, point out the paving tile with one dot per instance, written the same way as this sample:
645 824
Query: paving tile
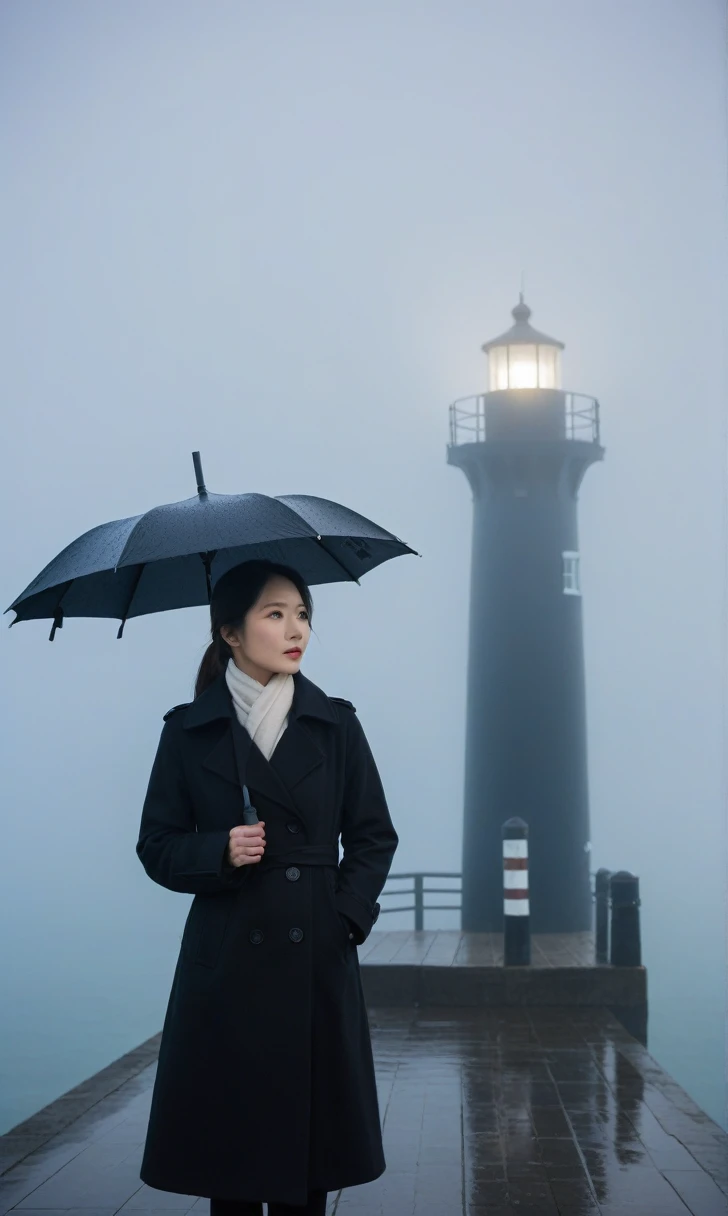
699 1193
147 1199
576 1199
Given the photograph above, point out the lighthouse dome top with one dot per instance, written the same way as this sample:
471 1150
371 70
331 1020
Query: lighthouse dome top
522 332
522 357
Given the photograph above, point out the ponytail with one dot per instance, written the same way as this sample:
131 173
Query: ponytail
214 662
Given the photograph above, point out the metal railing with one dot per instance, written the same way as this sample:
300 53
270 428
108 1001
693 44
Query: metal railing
419 891
468 420
615 898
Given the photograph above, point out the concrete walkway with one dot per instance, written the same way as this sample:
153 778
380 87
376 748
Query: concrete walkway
486 1112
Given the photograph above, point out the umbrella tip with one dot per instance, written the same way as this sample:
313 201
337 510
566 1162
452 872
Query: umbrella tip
201 489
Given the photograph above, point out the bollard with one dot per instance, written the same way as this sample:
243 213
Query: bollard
625 948
601 926
516 911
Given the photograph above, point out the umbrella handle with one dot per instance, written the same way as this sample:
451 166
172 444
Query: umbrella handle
250 815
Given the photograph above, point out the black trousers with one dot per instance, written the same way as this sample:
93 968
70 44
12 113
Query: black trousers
316 1206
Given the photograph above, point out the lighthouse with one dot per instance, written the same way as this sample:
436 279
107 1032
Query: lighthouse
524 446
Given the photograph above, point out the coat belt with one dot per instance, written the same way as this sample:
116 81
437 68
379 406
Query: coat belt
304 855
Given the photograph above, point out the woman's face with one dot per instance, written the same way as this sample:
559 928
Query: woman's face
276 623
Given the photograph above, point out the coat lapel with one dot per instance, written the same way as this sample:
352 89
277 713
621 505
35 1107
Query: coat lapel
296 755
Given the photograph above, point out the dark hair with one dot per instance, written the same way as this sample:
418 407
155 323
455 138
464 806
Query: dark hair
233 596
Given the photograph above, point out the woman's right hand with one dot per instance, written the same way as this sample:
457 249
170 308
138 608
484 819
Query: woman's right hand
246 844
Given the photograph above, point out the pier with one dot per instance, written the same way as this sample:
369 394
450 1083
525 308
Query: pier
536 1106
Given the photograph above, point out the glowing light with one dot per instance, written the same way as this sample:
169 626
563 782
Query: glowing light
523 365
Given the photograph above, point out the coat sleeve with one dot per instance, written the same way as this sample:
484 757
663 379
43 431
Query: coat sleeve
367 834
170 848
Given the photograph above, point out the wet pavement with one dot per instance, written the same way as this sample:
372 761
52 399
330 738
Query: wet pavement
456 948
486 1112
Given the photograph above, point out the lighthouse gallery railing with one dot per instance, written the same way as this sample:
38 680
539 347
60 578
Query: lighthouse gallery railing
468 420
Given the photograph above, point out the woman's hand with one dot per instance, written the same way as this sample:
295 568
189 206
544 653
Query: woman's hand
246 844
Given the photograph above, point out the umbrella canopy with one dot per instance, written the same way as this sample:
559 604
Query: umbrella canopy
171 556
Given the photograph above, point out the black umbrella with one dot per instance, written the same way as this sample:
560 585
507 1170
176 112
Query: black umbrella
171 556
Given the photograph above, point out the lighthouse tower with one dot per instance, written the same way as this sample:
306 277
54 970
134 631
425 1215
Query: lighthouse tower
524 447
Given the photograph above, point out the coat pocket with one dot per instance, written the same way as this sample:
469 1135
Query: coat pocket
205 929
337 918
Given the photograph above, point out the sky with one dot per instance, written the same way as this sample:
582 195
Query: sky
279 234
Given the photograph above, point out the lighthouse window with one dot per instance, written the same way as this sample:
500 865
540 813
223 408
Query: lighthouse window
549 372
571 573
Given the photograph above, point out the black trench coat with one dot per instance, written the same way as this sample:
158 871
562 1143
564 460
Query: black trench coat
265 1083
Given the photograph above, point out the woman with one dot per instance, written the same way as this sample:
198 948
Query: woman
265 1086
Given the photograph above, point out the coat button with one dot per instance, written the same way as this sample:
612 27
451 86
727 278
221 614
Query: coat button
256 936
295 934
292 873
293 827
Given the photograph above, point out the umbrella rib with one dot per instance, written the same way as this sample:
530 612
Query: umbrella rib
134 586
207 560
338 561
58 614
315 536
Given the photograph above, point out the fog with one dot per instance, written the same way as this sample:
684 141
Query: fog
279 234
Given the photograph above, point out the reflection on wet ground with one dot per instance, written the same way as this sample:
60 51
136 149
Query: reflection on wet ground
486 1112
534 1112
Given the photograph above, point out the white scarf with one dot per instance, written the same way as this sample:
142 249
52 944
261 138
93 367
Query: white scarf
261 708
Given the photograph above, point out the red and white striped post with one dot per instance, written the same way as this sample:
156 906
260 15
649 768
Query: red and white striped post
516 910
